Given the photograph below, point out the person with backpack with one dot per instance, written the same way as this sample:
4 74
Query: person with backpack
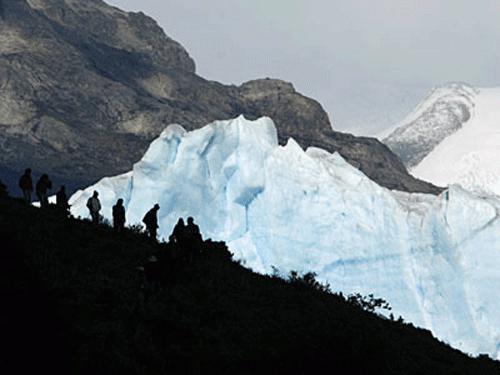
62 201
42 186
26 185
151 221
94 206
119 216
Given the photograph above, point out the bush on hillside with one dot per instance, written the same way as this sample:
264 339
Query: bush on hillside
308 280
368 303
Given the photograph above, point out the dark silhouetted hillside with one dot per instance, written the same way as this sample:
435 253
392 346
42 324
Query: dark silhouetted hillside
74 302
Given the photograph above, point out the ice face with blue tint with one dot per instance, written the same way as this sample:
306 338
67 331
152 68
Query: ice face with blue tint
435 259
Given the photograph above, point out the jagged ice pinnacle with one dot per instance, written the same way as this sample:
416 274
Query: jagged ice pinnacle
436 260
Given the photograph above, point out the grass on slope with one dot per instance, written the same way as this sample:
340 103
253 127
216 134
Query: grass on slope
73 302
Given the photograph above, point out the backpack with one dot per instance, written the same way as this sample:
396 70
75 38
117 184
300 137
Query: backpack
89 204
149 219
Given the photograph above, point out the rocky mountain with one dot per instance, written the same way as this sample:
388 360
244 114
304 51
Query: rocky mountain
453 137
85 87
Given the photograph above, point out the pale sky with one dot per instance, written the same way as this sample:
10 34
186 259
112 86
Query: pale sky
368 62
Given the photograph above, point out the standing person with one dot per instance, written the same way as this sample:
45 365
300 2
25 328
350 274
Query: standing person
94 206
26 185
193 239
192 231
151 221
119 216
42 186
177 235
62 201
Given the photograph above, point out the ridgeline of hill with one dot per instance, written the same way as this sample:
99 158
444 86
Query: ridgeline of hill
74 302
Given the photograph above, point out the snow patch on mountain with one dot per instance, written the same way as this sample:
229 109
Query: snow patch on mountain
435 259
471 156
441 114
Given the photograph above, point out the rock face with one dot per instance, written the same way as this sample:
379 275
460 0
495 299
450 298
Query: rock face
85 87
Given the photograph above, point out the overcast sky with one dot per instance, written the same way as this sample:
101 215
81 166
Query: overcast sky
368 62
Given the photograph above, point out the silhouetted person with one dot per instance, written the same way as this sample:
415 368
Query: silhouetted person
119 216
42 186
192 231
94 206
62 201
26 185
151 221
177 235
192 239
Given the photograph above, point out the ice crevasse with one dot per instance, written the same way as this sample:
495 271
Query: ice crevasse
435 259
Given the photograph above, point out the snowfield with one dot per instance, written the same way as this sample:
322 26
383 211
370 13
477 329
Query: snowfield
436 260
471 156
453 137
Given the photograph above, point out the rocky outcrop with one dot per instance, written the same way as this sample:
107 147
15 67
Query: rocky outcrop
305 120
85 87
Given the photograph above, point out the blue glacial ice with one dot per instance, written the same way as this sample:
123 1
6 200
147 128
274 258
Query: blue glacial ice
435 259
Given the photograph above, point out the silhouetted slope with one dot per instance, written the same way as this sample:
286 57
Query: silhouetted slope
71 292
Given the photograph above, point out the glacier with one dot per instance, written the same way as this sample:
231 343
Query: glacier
435 259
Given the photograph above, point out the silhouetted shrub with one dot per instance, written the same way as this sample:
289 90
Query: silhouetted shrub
275 273
368 303
136 228
308 280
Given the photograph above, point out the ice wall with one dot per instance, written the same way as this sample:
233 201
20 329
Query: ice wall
436 260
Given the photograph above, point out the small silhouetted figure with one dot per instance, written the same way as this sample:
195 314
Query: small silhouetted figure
119 216
62 201
151 221
192 231
177 235
42 186
94 206
192 239
26 185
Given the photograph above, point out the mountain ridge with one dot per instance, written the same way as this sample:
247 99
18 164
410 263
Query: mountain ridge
85 87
